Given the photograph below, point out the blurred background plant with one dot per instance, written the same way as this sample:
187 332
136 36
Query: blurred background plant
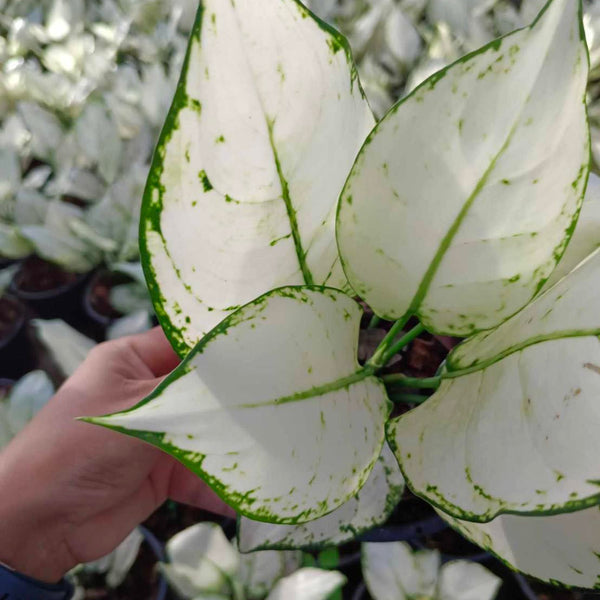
84 88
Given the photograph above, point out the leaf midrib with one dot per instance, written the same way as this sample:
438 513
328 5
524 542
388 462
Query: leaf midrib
532 341
285 190
321 390
435 264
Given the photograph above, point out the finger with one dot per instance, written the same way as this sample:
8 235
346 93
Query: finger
187 488
155 351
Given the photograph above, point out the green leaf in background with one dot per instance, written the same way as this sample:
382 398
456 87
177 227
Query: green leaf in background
480 175
265 125
296 432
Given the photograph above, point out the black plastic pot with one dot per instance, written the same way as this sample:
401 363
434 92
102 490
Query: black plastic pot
159 551
16 358
5 386
50 292
96 302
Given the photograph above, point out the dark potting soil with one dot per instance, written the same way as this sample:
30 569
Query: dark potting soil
11 317
5 386
37 275
98 293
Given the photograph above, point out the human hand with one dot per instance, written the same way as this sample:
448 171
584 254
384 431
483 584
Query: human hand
70 492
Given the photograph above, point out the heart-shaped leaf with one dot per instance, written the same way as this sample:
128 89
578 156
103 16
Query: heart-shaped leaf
480 175
561 549
271 407
370 507
513 427
265 125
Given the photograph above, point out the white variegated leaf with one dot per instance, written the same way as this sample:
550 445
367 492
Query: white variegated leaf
307 584
201 561
586 238
394 571
370 507
260 571
480 174
266 123
55 241
45 129
26 399
68 348
134 323
561 549
293 352
464 580
513 426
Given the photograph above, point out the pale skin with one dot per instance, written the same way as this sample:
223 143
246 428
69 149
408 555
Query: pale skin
71 491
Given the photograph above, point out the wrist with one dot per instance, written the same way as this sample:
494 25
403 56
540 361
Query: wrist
31 540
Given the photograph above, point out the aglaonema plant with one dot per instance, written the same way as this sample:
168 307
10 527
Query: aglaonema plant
272 202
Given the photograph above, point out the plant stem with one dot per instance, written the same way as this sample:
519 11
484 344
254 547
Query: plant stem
388 348
399 380
375 320
408 398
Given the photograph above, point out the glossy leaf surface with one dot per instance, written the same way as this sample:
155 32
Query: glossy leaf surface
265 125
515 431
480 174
560 549
296 432
370 507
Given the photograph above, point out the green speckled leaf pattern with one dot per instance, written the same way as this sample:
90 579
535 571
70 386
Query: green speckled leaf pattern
560 550
480 175
516 431
586 237
266 123
370 507
296 431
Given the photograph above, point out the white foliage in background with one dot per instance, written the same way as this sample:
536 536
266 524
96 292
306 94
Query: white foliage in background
68 348
394 571
22 403
66 345
204 564
84 88
114 566
117 564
